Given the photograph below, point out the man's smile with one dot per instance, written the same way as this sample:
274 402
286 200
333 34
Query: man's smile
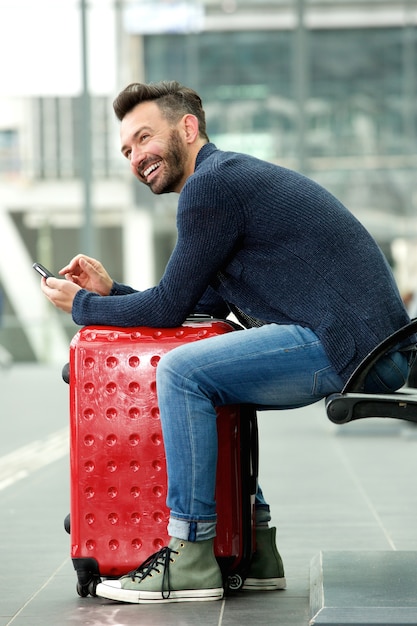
151 169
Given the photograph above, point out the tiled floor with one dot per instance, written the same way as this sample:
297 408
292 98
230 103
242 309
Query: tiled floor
331 488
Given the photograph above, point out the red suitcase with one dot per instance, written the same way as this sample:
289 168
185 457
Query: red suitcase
118 473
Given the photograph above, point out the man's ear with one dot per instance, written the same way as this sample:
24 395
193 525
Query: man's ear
190 127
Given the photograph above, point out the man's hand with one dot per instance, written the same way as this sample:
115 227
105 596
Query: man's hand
88 274
60 292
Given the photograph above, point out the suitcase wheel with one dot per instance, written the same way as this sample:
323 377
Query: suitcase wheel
88 589
88 576
234 582
66 373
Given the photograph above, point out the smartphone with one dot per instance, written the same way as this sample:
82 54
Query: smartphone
42 270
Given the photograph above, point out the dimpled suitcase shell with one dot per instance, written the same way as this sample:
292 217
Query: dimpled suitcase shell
118 472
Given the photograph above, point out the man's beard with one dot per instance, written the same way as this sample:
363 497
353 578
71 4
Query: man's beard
174 160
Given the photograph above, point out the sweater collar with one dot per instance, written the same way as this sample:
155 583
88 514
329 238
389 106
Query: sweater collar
205 151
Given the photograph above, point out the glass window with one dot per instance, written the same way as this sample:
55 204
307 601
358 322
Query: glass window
356 87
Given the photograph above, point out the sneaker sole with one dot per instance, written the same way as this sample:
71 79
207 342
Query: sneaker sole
155 597
264 584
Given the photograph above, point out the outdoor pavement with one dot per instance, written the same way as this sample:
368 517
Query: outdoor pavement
331 488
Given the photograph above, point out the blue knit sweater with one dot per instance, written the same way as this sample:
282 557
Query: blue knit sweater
272 244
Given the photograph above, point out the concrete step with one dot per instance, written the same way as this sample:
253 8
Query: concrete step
375 588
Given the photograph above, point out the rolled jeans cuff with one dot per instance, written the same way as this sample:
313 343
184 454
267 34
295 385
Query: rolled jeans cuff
191 531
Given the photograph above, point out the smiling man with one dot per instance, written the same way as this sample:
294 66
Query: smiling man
299 271
160 156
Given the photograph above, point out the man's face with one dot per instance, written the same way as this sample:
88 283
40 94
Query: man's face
156 150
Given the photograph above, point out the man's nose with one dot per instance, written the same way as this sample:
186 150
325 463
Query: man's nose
136 158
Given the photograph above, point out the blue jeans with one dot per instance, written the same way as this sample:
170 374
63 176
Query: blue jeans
275 365
389 373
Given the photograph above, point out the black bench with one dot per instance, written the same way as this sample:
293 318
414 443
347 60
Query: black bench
352 403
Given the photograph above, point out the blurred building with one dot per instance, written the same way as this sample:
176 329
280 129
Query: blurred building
327 87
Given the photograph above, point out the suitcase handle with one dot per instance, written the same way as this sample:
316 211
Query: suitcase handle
254 452
249 445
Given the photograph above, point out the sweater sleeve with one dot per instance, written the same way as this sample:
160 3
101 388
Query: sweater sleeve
118 289
208 230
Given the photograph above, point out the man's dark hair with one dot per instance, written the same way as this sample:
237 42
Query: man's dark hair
172 98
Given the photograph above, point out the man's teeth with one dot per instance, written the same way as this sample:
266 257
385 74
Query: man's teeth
150 169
